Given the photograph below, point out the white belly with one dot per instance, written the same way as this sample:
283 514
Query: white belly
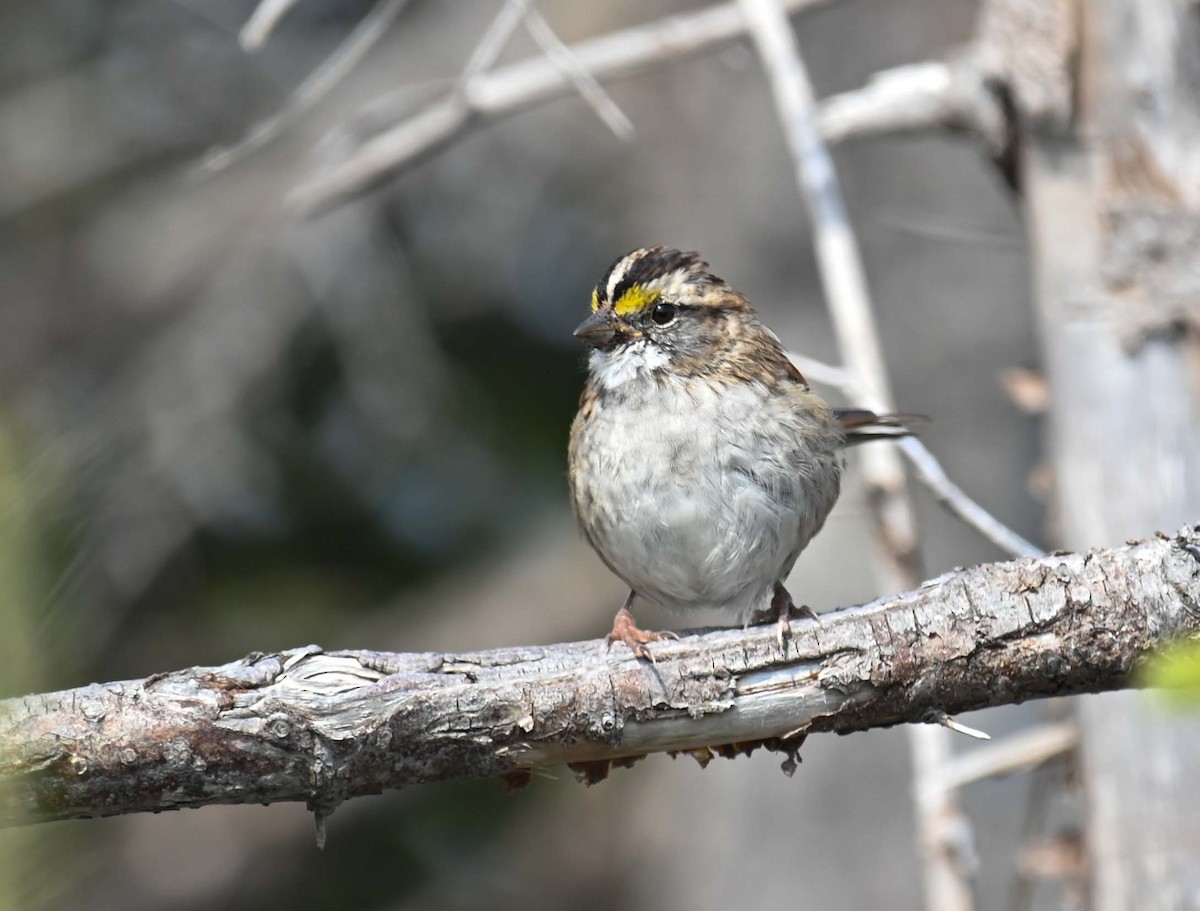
700 498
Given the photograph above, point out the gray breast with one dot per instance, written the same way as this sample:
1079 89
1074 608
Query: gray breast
702 496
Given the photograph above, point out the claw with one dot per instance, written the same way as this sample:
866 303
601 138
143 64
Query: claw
626 630
781 612
783 631
803 610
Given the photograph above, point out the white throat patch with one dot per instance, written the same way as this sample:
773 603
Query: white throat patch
628 362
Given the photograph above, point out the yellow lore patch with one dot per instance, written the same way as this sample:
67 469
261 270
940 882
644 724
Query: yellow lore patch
635 300
595 300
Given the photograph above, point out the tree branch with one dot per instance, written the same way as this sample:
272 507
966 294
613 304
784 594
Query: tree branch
585 83
917 98
323 727
316 86
517 87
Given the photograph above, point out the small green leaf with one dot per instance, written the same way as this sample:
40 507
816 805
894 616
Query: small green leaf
1175 670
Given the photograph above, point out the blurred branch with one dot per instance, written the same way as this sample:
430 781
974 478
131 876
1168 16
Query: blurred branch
322 80
920 97
517 87
585 83
842 277
1017 752
963 93
494 40
324 727
262 22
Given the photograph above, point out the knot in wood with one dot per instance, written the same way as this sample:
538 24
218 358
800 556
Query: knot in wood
279 726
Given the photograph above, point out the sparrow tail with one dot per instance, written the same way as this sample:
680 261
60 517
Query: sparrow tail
861 426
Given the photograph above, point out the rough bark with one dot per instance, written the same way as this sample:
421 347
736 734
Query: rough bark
1113 204
322 727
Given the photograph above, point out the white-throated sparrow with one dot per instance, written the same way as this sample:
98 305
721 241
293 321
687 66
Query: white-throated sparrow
700 462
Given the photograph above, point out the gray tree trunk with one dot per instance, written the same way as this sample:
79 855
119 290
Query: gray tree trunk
1112 198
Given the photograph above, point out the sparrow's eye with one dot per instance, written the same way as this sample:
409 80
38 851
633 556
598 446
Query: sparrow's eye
663 313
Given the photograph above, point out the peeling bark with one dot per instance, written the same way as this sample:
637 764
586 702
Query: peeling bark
326 726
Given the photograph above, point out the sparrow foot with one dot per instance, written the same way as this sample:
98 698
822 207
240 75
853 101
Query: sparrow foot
625 629
782 611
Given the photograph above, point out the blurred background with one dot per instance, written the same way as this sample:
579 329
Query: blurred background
225 428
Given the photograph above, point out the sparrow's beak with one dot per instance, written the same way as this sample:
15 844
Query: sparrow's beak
600 329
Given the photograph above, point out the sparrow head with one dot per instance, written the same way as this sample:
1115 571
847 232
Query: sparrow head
660 298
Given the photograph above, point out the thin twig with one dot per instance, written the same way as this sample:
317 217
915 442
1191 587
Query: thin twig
451 93
956 501
262 22
519 86
929 470
494 40
585 83
953 724
318 84
945 831
379 113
